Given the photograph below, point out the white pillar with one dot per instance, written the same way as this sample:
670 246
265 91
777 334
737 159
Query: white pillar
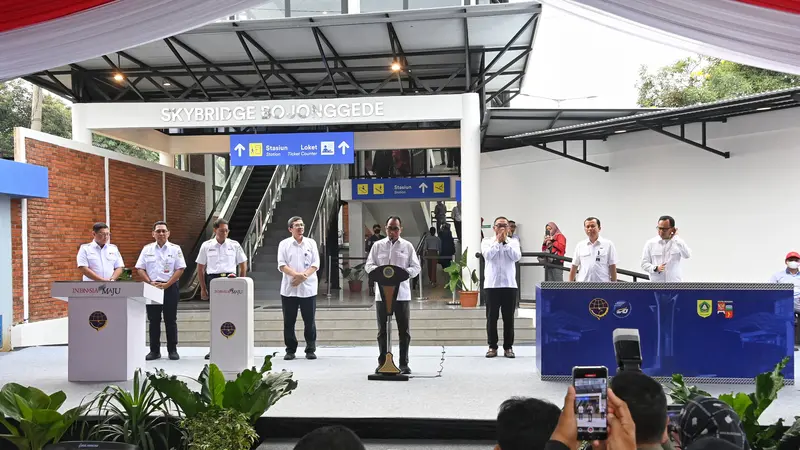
470 177
353 6
6 297
79 131
165 159
355 229
208 160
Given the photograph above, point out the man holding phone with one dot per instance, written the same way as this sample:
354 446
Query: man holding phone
662 255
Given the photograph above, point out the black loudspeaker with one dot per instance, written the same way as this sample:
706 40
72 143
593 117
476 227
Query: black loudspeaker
91 445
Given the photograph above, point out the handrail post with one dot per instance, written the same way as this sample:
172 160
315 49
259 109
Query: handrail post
330 263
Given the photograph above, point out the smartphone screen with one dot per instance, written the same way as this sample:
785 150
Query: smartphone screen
591 403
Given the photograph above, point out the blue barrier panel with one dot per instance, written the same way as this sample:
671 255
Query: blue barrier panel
706 330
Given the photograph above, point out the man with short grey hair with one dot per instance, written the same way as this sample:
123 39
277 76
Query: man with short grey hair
298 260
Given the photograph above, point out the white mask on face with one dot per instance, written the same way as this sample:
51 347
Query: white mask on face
793 264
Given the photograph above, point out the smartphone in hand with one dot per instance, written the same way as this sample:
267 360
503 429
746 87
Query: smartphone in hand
591 402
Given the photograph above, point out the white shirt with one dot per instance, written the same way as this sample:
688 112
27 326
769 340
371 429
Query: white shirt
455 213
400 253
500 270
594 260
221 258
658 251
103 261
160 263
784 276
298 256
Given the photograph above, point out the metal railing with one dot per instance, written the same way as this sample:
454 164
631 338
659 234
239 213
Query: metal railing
328 205
547 263
284 176
223 208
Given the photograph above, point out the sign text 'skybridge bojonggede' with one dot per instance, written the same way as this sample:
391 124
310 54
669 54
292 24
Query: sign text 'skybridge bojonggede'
292 111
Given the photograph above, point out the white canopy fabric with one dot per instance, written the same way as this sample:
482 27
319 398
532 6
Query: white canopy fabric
111 27
726 29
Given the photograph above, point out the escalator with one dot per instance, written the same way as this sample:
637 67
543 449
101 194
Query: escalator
249 201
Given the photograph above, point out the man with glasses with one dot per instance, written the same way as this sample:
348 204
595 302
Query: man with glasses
100 260
396 251
501 253
298 260
662 255
219 257
162 264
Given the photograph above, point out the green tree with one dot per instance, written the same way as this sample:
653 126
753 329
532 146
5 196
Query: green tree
15 111
702 80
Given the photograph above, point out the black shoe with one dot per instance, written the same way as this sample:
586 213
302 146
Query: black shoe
174 356
405 370
288 356
311 355
152 356
208 356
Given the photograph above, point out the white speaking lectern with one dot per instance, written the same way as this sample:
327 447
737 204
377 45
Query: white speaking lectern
107 322
232 324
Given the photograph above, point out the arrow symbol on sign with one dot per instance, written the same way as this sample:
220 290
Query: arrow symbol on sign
343 146
239 148
423 186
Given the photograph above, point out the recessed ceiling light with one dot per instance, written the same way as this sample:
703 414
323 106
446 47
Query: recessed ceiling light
764 108
621 131
118 77
396 66
167 83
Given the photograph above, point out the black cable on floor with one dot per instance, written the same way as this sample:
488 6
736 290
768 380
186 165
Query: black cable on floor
438 373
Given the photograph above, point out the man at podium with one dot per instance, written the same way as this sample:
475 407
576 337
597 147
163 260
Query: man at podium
99 260
396 251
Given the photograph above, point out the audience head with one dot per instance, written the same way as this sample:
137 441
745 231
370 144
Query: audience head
432 231
647 403
706 417
512 226
221 229
525 423
376 228
666 227
296 226
334 437
592 228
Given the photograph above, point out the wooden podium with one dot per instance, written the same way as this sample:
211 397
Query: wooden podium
107 322
388 279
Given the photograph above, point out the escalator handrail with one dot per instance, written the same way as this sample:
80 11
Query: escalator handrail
189 282
330 194
282 177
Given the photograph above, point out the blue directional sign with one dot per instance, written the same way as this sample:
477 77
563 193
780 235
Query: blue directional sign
458 190
401 188
294 148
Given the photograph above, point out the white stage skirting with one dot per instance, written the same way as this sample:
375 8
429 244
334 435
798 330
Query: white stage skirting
336 385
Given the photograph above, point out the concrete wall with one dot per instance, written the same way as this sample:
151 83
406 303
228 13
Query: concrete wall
738 215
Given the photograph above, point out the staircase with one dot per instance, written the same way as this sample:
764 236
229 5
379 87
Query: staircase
357 327
300 200
248 203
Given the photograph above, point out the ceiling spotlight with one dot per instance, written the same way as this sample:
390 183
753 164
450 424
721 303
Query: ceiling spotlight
118 77
166 83
764 108
396 66
620 131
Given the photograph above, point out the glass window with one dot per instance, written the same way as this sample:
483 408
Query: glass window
381 5
420 4
268 10
304 8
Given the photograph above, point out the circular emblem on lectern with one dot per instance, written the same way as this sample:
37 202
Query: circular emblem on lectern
98 320
598 307
388 272
227 329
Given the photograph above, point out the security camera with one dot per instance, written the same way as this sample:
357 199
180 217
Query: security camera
628 349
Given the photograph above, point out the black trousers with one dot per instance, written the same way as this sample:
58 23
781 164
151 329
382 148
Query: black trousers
308 308
170 310
500 300
402 314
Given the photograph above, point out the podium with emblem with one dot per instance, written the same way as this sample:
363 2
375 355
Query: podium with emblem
107 327
232 324
388 278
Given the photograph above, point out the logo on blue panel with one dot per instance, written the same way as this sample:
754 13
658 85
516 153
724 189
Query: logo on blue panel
598 307
622 309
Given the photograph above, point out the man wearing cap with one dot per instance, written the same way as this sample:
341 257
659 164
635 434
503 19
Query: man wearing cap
791 275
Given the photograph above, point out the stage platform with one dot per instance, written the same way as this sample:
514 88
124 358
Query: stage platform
336 385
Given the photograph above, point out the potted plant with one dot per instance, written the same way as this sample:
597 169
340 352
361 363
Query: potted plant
354 276
36 414
468 293
222 415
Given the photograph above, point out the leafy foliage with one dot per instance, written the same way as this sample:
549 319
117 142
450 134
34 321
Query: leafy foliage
702 80
749 407
252 393
220 429
680 393
353 273
456 271
15 111
39 422
139 417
